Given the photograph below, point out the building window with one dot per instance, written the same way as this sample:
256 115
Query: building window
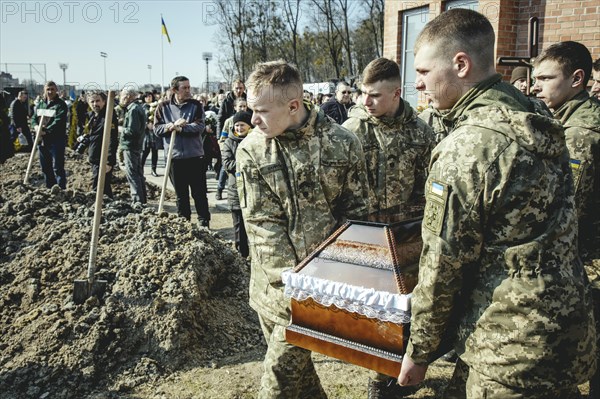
470 4
413 22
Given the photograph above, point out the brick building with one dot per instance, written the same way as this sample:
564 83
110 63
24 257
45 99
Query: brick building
559 20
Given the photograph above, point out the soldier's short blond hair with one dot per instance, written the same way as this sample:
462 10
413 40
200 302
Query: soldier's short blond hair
461 30
279 75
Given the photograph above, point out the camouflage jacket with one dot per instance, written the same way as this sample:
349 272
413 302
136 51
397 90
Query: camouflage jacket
434 118
397 152
295 190
499 257
581 118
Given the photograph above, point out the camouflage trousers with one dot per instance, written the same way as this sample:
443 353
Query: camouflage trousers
289 372
468 383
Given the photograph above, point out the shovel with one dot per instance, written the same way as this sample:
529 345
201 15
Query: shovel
45 114
167 169
83 289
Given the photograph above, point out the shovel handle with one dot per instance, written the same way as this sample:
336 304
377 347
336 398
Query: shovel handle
38 136
167 170
110 105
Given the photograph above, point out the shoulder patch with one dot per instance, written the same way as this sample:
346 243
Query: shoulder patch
577 168
436 196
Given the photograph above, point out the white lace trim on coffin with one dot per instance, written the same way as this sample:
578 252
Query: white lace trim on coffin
381 305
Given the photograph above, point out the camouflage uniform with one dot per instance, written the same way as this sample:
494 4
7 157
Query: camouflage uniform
434 118
294 190
581 118
499 256
397 152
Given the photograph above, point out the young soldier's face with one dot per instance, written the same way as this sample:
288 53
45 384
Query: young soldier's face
596 84
436 78
271 113
381 98
551 85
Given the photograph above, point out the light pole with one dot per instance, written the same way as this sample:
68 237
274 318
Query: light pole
150 72
104 55
207 57
64 67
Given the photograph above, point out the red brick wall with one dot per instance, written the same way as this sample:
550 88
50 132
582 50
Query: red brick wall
559 20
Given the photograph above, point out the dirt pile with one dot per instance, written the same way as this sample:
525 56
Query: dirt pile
176 295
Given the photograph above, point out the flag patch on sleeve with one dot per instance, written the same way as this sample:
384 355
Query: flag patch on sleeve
436 197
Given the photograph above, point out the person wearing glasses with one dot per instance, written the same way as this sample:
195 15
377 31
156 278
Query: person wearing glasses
337 107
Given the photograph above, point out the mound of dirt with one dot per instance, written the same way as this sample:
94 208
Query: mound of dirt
176 294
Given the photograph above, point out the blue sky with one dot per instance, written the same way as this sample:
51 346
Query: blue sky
75 32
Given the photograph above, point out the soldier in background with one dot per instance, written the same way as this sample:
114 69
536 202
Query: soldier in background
562 73
396 143
595 91
299 177
499 232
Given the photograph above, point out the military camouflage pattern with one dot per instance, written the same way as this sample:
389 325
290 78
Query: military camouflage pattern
580 117
503 263
434 119
397 152
294 190
288 369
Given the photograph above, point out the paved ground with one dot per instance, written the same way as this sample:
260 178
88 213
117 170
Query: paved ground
220 222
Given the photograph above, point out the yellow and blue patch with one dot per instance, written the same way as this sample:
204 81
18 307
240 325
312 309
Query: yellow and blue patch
435 208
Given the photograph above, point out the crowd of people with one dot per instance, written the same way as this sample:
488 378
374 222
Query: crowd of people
509 174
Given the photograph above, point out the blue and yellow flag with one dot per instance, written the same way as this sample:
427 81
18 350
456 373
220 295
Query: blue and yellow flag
164 29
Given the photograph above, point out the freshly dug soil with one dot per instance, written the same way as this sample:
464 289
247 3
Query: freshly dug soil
176 294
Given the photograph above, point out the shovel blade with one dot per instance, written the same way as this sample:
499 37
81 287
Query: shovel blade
82 290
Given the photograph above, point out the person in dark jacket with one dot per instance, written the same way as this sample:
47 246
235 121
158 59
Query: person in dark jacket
241 127
184 115
97 102
337 107
227 107
19 113
54 137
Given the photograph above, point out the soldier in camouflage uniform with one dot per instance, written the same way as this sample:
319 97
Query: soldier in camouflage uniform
499 233
562 72
397 148
396 143
434 118
299 177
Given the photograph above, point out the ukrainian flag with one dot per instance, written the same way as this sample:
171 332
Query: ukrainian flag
164 29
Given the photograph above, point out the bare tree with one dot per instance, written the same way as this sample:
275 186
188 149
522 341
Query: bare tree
232 18
374 23
291 9
327 8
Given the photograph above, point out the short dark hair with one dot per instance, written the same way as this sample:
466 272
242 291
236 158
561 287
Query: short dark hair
596 65
461 29
381 69
571 56
99 93
176 80
50 83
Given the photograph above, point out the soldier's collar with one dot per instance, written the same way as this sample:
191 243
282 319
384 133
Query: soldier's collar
307 128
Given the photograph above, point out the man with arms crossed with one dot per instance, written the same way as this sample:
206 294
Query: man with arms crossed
299 177
499 233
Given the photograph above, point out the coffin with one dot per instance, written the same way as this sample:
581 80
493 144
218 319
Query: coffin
350 299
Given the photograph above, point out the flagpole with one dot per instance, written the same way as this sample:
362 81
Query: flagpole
162 59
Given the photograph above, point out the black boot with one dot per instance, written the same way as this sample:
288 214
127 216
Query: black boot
153 173
219 195
388 389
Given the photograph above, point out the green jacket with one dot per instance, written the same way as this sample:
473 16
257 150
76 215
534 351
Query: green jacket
499 248
295 190
581 118
134 128
397 152
56 128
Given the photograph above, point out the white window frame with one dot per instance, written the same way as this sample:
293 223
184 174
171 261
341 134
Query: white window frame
470 4
409 92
